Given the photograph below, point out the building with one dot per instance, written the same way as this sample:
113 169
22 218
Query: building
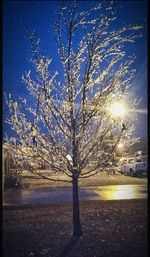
5 163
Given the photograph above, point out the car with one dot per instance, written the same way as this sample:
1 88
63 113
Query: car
133 166
12 181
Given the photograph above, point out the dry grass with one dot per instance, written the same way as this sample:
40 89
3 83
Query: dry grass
110 228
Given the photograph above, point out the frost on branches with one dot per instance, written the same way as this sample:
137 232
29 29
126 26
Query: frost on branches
69 125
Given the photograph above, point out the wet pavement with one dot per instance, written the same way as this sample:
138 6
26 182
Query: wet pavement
64 194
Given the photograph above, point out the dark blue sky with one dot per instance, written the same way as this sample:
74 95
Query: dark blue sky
40 17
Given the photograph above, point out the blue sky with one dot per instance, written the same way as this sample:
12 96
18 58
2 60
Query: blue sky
40 17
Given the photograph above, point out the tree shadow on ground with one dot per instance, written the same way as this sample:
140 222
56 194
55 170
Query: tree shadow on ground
68 247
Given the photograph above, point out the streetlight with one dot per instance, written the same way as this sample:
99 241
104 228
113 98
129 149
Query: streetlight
117 109
120 145
120 149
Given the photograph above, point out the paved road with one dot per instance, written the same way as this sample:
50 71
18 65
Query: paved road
62 195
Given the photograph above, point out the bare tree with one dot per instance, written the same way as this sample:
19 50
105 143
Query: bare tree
69 125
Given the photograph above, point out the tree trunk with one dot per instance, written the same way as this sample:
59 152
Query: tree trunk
76 212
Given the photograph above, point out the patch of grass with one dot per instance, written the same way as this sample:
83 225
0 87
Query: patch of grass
110 228
101 179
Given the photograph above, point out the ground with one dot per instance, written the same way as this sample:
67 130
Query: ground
101 179
110 228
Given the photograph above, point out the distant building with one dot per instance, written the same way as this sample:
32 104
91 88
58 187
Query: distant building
6 163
